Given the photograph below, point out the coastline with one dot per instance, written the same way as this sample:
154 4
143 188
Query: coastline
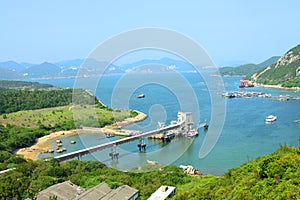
277 87
43 144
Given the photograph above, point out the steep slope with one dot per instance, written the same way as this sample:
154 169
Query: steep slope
285 72
274 176
247 69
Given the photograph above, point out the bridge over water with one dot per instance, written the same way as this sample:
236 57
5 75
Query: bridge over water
79 153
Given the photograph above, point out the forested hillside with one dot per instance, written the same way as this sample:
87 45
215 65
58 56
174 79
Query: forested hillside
6 84
21 95
32 112
274 176
285 72
247 69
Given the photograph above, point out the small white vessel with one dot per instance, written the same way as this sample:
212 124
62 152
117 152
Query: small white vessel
192 133
140 96
271 118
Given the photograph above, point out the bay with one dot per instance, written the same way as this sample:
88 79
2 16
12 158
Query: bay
244 137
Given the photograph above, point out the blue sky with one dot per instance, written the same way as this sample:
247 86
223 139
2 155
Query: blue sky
230 31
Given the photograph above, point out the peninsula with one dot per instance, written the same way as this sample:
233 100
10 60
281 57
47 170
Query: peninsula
34 114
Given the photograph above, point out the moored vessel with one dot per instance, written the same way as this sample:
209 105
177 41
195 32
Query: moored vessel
271 118
140 96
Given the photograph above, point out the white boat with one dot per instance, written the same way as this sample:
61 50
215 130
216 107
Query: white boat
192 133
140 96
271 118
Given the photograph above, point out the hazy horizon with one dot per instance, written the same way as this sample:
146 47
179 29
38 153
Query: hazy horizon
231 32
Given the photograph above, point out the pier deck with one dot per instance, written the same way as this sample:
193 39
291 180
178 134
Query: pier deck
79 153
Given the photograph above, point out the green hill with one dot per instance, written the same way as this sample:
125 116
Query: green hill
247 69
42 70
26 85
274 176
285 72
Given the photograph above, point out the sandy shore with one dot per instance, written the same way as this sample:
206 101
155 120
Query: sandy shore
43 144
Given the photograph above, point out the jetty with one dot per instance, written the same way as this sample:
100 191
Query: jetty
184 120
248 94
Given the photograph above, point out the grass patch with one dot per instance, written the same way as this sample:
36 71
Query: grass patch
88 115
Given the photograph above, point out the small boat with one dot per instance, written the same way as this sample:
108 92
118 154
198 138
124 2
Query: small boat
140 96
73 142
192 133
271 118
107 135
59 151
59 144
205 126
229 95
50 150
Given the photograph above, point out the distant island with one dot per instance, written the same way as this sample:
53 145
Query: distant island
285 72
11 70
247 69
279 72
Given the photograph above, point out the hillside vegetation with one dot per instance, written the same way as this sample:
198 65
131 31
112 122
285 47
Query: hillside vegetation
21 95
274 176
25 85
31 110
247 69
285 72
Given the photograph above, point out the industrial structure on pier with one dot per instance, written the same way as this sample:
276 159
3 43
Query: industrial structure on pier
183 126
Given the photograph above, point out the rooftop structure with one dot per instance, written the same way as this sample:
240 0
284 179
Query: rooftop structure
186 117
163 193
65 190
68 190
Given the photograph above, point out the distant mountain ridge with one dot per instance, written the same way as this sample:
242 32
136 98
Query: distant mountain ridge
11 70
247 69
12 65
285 72
87 67
43 69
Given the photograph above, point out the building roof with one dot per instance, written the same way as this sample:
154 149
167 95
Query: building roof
68 190
121 193
162 193
97 192
63 191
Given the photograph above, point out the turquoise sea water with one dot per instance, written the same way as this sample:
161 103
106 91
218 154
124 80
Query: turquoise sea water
245 136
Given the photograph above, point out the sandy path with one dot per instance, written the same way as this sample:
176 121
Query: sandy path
43 144
277 87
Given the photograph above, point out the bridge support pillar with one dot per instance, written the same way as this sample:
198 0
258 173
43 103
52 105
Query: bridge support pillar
114 154
142 145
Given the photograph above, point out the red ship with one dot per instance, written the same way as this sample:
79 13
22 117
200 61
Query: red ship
245 83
